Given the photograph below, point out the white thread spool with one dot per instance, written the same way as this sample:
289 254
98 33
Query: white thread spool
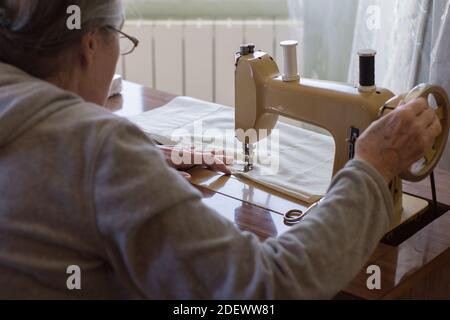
290 61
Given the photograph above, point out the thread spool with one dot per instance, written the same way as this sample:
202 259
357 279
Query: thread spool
367 70
290 61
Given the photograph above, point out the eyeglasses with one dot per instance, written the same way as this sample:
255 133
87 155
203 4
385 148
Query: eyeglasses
127 43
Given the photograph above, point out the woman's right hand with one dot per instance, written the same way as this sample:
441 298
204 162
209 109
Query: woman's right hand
401 138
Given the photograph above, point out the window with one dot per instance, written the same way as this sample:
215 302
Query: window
208 9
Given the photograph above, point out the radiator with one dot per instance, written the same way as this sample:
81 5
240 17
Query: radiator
196 58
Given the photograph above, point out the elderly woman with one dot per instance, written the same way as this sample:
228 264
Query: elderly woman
80 186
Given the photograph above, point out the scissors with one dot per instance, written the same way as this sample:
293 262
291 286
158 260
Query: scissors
293 217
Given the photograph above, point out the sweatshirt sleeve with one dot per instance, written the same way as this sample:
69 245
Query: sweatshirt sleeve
164 243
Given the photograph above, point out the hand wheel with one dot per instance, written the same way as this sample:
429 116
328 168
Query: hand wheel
423 168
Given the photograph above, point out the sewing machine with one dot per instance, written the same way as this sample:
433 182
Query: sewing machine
416 269
345 111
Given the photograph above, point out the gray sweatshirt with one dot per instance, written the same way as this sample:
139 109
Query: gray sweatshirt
80 186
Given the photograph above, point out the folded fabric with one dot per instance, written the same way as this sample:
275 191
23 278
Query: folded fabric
292 160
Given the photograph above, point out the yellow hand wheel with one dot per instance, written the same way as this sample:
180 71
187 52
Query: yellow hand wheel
423 168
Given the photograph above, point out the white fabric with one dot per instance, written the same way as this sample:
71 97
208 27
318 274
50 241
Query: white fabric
302 170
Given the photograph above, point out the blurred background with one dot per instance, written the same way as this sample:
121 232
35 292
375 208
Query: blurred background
187 46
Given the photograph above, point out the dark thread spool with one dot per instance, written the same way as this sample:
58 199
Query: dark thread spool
367 68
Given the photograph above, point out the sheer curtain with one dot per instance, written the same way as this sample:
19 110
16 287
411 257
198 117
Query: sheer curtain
327 31
412 38
440 55
396 29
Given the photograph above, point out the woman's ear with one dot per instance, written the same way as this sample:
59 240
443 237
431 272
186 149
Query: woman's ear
88 48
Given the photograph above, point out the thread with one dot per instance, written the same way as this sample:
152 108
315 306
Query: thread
367 69
290 71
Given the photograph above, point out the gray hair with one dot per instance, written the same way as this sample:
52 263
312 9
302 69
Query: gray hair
34 32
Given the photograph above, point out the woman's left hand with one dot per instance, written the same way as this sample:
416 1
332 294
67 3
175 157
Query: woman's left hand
184 159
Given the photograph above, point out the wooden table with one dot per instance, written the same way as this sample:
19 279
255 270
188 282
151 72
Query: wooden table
418 268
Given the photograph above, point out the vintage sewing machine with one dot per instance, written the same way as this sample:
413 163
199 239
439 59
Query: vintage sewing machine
345 111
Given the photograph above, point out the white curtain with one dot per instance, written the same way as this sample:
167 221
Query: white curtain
412 38
326 30
396 29
440 55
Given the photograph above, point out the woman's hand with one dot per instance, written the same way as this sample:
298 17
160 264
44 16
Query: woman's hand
401 138
184 159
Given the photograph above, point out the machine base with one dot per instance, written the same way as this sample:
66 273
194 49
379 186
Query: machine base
417 214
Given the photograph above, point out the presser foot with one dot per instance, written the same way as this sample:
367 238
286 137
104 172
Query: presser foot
243 167
248 158
248 167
